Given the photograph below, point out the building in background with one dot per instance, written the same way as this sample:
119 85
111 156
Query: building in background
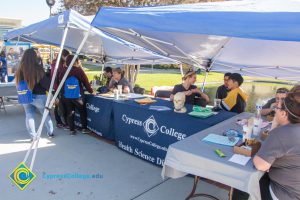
8 24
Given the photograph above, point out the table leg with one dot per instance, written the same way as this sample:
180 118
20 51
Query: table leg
192 194
230 193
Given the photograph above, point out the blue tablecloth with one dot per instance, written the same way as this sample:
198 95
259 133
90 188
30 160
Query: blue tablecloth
148 133
99 116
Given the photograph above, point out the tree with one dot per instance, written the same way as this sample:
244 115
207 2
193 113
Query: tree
90 7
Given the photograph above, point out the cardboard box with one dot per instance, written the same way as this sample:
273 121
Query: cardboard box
246 152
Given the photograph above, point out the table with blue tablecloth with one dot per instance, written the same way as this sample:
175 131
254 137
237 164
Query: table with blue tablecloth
99 116
147 133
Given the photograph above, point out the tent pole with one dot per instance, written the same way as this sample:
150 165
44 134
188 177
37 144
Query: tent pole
52 82
57 63
46 111
181 69
204 81
101 75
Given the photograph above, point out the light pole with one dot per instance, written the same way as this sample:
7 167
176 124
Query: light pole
50 3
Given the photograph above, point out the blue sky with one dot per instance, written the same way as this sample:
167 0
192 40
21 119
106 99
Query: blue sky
29 11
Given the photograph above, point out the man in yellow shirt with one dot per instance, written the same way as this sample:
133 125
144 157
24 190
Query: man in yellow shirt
236 99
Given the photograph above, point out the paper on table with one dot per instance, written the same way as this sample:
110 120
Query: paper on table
239 159
220 139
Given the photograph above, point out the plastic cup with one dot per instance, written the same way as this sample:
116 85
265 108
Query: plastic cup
247 132
217 103
120 88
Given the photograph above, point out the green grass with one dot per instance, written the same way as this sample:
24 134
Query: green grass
147 81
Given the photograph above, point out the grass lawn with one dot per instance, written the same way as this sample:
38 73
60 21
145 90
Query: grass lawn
147 81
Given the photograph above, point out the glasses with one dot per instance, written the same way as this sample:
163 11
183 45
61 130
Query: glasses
279 99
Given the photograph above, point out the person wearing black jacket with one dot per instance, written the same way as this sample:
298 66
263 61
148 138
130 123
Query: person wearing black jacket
223 90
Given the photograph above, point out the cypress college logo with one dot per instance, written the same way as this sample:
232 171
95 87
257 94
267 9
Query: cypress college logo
22 176
150 126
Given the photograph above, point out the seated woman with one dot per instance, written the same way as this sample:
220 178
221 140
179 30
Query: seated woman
119 79
279 155
268 108
191 91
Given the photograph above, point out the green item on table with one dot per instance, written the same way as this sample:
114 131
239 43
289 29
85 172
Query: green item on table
201 112
220 153
201 109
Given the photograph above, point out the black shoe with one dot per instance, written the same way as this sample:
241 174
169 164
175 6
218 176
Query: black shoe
50 135
72 133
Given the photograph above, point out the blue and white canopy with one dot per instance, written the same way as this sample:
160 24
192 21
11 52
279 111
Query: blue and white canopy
254 37
104 47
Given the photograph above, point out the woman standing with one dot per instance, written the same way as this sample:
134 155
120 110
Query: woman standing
32 74
191 91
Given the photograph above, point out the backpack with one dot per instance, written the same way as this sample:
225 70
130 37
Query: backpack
24 93
71 88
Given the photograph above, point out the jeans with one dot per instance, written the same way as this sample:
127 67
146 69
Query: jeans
79 104
37 106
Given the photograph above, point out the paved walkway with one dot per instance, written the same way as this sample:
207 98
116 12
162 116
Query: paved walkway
124 177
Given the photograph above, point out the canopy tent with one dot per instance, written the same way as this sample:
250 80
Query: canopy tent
253 37
73 31
101 46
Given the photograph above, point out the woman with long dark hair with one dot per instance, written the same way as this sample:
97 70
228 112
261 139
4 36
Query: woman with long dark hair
33 74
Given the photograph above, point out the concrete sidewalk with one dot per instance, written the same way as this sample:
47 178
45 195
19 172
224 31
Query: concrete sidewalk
122 176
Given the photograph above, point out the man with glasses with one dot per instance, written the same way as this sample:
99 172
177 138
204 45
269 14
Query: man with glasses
223 89
269 107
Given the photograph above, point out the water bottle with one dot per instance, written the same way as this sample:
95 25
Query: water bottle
257 120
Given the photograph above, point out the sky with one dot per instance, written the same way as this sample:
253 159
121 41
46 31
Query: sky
29 11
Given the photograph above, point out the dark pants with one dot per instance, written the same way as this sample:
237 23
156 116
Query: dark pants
79 104
57 116
264 190
60 111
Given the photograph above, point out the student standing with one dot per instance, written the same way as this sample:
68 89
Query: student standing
73 94
32 84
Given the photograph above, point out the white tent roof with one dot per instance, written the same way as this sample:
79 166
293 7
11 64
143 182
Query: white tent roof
253 37
103 47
